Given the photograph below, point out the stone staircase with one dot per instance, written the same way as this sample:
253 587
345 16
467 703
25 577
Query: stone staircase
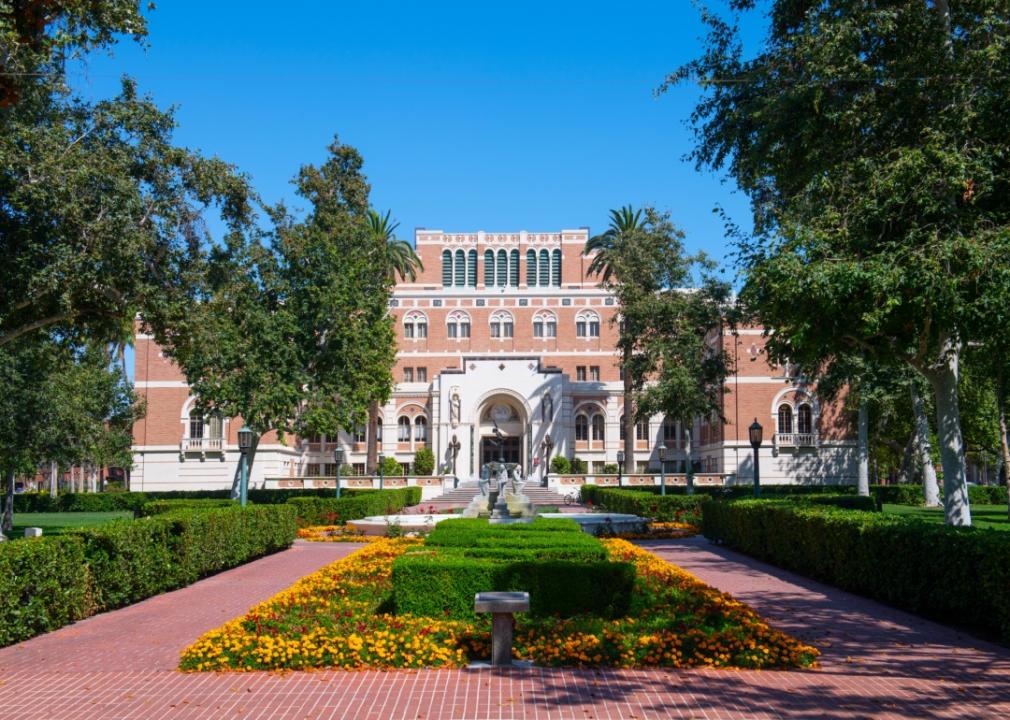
466 490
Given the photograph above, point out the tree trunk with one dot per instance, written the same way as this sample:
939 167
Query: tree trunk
7 524
629 426
908 473
689 468
372 438
1004 445
864 449
54 472
924 456
943 378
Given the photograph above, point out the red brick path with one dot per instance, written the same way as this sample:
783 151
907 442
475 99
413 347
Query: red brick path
877 662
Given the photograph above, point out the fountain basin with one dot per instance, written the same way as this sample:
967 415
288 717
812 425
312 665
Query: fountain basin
379 524
592 522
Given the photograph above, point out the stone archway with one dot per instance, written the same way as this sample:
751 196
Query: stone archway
510 416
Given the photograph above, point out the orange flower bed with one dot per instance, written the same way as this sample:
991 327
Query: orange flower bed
337 618
335 533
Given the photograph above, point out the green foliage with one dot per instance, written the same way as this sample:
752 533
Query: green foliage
48 582
160 507
424 462
560 465
610 469
909 494
579 466
333 511
44 584
959 575
564 570
391 467
665 508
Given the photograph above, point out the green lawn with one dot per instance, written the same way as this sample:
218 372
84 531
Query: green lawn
55 523
983 516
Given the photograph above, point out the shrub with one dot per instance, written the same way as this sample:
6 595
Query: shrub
560 465
912 494
391 466
333 511
579 466
610 469
424 461
665 508
44 584
159 507
956 575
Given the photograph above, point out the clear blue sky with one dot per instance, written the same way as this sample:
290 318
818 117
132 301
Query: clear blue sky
494 116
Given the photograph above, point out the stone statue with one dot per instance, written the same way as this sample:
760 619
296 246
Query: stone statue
485 481
454 409
517 480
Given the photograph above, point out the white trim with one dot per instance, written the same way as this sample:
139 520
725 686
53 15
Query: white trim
759 379
510 353
154 384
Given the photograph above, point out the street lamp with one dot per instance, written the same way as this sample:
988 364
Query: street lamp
620 466
454 448
245 441
338 458
755 432
382 461
662 468
545 447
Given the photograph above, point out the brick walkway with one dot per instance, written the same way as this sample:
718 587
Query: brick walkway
877 662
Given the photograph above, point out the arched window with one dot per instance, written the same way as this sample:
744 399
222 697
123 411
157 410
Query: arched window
460 268
502 266
489 268
457 325
471 268
446 268
556 268
581 427
531 268
642 429
599 432
669 432
804 420
420 429
403 429
587 325
359 434
785 420
415 326
545 325
514 268
502 325
545 268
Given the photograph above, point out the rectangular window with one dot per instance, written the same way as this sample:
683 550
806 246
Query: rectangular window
422 374
594 328
312 470
580 329
594 373
359 468
408 330
195 428
538 329
495 330
408 374
642 430
330 469
580 373
451 329
359 434
464 330
552 329
422 330
507 329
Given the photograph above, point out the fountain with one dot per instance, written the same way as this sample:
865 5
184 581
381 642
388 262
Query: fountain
501 498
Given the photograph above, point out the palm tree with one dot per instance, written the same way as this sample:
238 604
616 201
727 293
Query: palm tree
606 246
401 262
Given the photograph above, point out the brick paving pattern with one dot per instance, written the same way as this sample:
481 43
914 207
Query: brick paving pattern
877 662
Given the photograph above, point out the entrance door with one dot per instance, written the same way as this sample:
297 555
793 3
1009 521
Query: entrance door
511 450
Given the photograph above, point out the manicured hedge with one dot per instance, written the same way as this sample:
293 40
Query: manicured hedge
563 569
909 494
665 508
333 511
160 507
44 584
958 576
48 582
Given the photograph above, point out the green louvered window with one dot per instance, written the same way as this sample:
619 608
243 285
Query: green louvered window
556 268
471 268
502 263
545 268
489 268
446 268
460 267
531 268
514 268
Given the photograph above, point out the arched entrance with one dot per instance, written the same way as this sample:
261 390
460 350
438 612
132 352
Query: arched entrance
508 415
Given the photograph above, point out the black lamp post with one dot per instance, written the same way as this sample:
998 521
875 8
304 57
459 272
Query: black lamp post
662 468
382 461
454 449
755 431
547 446
620 466
245 440
338 458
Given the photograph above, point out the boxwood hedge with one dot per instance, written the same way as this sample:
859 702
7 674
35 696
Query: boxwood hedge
334 511
909 494
959 576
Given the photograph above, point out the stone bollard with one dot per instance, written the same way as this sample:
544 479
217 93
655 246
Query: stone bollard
33 532
501 605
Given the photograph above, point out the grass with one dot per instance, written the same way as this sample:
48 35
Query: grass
993 517
56 523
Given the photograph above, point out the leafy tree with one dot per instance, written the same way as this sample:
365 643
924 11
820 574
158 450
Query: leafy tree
679 365
605 250
560 465
290 330
871 140
402 263
391 466
424 461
